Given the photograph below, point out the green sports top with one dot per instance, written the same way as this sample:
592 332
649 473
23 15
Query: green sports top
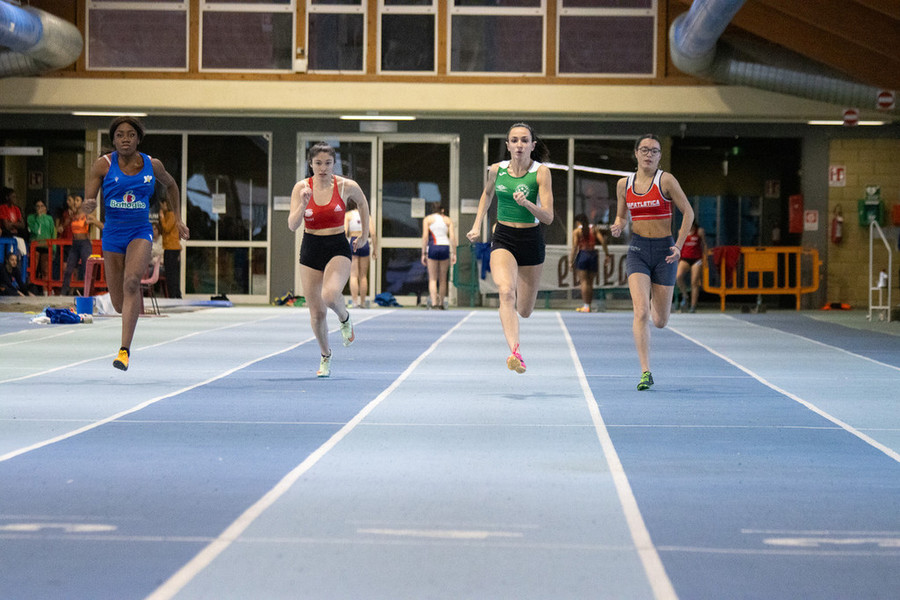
506 185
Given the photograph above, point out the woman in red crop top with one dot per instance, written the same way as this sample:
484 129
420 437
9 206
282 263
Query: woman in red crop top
652 252
319 204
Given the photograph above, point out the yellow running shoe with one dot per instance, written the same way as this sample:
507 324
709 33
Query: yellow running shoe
121 361
324 367
515 362
347 331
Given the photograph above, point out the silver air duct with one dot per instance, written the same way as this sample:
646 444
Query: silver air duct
693 46
33 41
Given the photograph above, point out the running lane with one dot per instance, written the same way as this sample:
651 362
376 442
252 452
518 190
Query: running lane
746 492
467 481
114 511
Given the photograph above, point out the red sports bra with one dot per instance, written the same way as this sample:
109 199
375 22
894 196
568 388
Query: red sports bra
327 216
650 205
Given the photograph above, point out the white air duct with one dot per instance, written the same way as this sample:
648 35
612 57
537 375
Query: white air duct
34 41
693 45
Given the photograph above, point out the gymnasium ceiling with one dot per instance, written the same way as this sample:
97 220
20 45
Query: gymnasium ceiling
857 38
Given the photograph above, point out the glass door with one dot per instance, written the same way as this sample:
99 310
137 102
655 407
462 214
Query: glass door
355 159
417 174
402 177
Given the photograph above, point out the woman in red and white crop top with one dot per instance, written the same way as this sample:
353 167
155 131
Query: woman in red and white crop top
319 204
653 254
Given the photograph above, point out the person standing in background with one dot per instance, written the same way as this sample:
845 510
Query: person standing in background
171 243
438 253
690 266
584 259
360 257
42 227
82 247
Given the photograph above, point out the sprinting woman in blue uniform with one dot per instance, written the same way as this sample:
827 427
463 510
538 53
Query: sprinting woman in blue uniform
127 179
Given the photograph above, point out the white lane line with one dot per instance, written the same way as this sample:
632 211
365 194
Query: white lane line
145 404
845 426
653 567
206 556
37 339
140 348
829 346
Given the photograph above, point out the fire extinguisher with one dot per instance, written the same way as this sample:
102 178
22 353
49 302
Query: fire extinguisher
837 225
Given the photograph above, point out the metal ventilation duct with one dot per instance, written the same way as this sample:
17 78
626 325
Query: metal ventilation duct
33 41
693 45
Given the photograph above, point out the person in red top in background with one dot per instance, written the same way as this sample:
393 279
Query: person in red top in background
652 252
81 242
11 222
691 262
319 204
584 259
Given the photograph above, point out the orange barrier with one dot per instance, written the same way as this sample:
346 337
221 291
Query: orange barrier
765 270
52 278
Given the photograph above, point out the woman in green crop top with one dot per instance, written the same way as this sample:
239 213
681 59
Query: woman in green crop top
524 201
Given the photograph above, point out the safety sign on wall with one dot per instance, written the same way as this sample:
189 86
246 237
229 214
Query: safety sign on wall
810 220
837 176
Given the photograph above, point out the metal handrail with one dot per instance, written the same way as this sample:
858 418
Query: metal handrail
873 226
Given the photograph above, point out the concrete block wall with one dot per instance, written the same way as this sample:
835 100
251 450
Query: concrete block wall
867 162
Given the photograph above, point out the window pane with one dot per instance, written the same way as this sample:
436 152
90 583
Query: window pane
353 160
407 43
258 271
608 4
497 44
248 1
412 170
200 274
556 232
595 192
138 39
234 271
408 2
247 40
337 2
494 3
336 42
403 272
606 45
227 187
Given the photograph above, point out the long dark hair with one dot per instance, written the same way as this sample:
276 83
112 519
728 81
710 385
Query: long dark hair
540 153
585 226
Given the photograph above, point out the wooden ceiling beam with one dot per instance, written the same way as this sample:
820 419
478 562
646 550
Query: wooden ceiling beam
844 54
848 20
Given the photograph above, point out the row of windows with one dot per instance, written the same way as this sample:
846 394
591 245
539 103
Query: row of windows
592 37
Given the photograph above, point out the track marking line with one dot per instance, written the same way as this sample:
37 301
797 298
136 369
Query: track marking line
640 535
140 348
205 557
146 403
845 426
830 346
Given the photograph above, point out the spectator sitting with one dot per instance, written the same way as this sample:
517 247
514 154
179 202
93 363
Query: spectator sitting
11 277
11 222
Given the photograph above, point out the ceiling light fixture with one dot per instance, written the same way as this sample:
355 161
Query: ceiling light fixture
377 118
92 113
841 123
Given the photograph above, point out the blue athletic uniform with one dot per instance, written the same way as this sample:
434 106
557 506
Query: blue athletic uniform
127 201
